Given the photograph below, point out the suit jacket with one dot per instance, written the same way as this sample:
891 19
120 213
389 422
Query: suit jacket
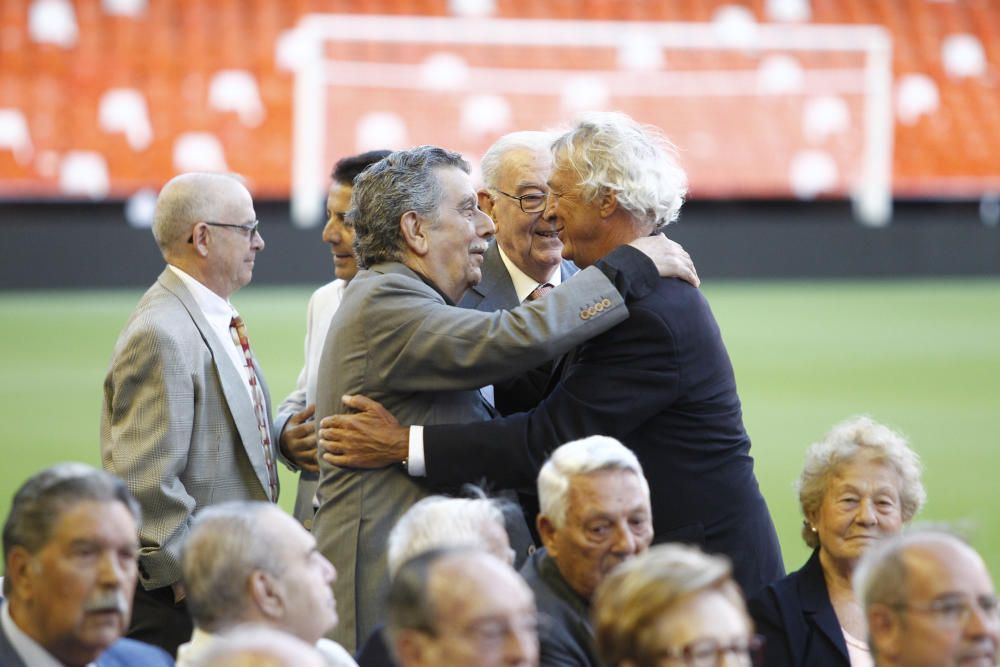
495 292
123 653
396 340
567 638
796 617
662 383
177 424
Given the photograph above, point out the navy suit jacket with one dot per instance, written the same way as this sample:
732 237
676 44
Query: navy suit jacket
123 653
796 617
662 383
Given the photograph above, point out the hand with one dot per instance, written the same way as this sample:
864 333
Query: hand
671 260
369 438
298 440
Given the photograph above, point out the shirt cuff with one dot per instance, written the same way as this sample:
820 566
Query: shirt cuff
415 464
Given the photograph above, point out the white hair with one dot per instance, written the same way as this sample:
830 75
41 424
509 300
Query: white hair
188 199
610 151
581 457
531 140
437 522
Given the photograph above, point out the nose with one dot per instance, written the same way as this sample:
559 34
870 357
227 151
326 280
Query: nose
111 572
521 647
331 232
329 571
866 513
625 542
982 623
257 241
551 204
484 225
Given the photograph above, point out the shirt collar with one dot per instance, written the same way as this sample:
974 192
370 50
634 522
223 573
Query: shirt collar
523 283
218 311
30 651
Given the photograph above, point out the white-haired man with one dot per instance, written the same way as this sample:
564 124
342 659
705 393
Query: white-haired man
70 544
661 381
249 562
595 514
929 602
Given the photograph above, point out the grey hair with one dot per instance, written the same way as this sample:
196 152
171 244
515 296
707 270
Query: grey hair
409 606
188 199
256 644
581 457
529 140
43 499
845 441
636 593
610 151
224 547
437 522
402 182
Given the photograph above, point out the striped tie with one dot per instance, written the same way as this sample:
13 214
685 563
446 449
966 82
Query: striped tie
539 292
238 330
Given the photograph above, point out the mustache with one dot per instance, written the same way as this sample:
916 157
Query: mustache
107 601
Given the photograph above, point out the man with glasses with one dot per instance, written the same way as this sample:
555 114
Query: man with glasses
929 602
186 413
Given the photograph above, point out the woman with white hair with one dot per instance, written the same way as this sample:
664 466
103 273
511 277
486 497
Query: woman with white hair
860 483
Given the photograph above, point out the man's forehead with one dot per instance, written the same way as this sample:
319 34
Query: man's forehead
589 490
92 519
942 567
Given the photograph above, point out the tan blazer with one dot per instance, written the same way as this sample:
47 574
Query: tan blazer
177 424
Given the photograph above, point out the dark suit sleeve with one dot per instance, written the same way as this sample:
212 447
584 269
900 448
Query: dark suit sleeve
619 380
765 609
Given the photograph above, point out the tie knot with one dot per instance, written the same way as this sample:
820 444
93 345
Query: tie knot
539 292
237 322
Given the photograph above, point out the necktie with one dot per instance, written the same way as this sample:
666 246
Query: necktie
539 292
238 330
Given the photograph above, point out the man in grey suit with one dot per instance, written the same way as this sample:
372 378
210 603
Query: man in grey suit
421 238
186 411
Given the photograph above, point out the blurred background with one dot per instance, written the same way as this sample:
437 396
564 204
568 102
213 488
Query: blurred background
844 158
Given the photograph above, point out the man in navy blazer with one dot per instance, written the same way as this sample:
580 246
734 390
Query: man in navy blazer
661 381
70 548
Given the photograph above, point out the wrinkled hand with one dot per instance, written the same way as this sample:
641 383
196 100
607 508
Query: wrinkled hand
671 260
369 437
298 440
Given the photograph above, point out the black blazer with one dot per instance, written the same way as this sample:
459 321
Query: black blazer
662 383
796 617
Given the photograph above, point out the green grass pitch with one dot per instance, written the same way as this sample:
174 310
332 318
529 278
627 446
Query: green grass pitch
922 356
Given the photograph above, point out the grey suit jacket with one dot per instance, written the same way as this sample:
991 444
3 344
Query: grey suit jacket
177 424
396 340
496 290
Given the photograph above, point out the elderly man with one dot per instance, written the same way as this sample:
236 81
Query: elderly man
929 602
249 562
186 411
661 381
70 546
595 514
397 337
461 608
294 420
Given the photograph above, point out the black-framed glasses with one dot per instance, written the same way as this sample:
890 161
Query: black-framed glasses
250 228
710 653
955 610
533 202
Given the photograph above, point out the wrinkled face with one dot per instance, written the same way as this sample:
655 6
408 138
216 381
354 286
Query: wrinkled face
233 251
529 241
307 579
580 226
338 234
608 520
459 236
74 595
703 626
861 504
944 624
485 617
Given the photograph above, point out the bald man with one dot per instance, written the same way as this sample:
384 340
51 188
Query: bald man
186 414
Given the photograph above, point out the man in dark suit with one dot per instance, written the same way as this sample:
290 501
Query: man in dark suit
70 544
595 515
661 382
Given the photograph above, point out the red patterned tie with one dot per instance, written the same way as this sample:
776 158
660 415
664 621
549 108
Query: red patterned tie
539 292
239 332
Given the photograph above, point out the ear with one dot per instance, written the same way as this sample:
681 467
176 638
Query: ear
884 630
547 531
18 574
412 648
608 202
199 238
486 203
414 227
266 594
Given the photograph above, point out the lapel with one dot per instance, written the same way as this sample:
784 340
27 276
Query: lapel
495 291
231 379
816 605
8 656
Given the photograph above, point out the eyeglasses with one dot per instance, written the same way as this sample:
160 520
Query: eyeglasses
250 228
533 202
710 653
955 610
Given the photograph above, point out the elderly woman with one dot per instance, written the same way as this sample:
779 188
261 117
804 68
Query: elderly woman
672 605
860 483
